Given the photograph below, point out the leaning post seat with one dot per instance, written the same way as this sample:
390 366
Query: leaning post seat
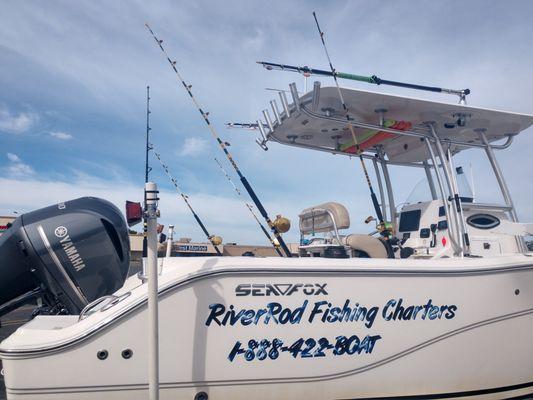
331 217
326 217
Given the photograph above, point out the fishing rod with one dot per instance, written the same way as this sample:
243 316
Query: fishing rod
147 170
307 71
274 244
244 125
381 227
215 240
277 90
222 145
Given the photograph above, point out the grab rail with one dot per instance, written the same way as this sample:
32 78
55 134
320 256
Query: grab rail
94 303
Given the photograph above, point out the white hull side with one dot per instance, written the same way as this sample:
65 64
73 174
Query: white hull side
484 346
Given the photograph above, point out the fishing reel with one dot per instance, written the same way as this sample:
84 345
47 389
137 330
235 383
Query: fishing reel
282 224
215 240
384 228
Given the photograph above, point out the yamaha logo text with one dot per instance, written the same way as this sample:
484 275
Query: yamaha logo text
280 289
70 249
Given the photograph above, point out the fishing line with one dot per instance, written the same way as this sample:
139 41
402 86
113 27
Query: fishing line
185 198
223 147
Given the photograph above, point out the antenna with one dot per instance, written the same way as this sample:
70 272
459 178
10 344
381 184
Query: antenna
383 231
223 147
215 240
250 208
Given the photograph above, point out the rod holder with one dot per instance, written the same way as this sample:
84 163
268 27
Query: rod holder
261 144
381 114
261 130
316 96
295 97
169 240
266 114
284 103
275 110
462 97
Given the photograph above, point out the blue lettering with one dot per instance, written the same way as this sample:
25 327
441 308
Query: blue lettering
216 311
451 312
371 316
386 316
316 310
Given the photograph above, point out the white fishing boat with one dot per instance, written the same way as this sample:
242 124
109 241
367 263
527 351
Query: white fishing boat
436 304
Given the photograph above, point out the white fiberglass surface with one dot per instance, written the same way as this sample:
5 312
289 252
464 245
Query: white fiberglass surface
50 322
451 121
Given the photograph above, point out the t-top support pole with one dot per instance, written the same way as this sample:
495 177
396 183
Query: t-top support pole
451 224
388 185
431 184
501 181
380 187
459 202
456 205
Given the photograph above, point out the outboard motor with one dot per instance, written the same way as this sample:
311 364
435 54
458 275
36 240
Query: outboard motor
68 254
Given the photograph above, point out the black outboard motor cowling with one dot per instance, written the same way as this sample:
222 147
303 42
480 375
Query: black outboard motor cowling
75 252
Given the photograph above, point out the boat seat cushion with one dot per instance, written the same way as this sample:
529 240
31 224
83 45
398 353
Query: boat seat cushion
372 246
324 218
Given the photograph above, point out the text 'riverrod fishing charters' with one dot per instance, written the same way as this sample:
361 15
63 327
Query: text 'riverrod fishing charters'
435 303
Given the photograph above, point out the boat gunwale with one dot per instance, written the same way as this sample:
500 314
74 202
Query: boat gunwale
135 304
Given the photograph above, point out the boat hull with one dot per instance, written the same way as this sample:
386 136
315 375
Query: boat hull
299 330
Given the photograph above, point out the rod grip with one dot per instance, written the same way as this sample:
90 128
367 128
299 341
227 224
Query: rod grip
375 202
353 77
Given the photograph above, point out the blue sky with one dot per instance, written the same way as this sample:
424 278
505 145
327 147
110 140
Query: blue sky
73 78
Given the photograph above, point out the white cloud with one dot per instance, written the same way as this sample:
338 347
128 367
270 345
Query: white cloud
13 157
61 135
224 216
17 168
193 146
16 123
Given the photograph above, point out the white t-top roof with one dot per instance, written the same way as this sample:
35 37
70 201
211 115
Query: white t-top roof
403 113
